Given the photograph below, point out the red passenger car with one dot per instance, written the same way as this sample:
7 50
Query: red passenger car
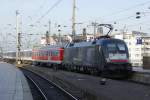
48 54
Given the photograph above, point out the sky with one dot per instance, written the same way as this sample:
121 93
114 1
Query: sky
34 16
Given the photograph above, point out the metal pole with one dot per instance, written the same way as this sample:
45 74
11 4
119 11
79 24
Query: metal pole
124 31
17 36
94 29
1 51
59 29
59 38
6 40
49 32
73 20
18 39
94 24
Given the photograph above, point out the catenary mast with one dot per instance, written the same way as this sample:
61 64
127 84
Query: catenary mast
73 20
18 57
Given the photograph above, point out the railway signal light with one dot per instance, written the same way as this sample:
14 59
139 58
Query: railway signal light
138 15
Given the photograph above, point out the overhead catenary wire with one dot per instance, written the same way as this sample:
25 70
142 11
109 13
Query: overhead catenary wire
121 19
33 24
140 24
143 23
50 9
127 9
38 9
117 20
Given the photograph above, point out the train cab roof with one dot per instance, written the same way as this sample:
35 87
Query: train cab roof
111 40
99 41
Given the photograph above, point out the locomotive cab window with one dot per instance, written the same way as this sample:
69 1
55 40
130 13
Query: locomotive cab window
116 47
111 47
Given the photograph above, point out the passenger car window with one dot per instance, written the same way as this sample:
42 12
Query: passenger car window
55 53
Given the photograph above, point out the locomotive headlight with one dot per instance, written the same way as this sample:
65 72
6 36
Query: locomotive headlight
107 59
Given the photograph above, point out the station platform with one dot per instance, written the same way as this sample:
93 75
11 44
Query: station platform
140 69
13 85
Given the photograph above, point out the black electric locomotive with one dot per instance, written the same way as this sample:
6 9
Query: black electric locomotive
105 55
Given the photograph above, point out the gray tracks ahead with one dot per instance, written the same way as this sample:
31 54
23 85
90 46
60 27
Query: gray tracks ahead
48 90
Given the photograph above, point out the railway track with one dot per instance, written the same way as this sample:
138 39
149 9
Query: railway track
88 87
46 90
130 79
37 94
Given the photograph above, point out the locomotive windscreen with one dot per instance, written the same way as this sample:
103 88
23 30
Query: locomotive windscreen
117 52
113 47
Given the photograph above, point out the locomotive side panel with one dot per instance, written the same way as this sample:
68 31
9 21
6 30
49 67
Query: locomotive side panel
69 53
77 58
90 56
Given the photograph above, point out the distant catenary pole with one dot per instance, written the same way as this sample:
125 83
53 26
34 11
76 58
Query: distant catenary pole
73 20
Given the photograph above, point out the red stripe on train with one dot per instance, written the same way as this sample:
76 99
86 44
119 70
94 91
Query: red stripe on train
118 60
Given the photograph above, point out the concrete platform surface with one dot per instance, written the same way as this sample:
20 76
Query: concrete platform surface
13 85
140 69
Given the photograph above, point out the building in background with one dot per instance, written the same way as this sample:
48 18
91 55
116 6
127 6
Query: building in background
99 31
139 47
87 37
50 41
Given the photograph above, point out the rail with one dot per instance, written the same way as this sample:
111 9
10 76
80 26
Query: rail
49 89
